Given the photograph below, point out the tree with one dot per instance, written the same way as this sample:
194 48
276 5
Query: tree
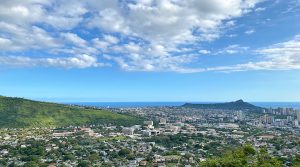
70 157
83 164
94 157
124 152
243 157
296 161
3 162
31 164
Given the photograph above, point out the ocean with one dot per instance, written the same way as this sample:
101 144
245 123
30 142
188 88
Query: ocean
295 105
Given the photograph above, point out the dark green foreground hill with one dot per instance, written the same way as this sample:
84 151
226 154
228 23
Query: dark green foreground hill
19 112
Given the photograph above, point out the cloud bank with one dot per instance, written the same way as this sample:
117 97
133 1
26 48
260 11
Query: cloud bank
136 35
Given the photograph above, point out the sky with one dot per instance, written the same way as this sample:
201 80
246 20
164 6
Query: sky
150 50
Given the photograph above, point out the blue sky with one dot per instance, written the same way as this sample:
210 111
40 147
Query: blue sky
150 50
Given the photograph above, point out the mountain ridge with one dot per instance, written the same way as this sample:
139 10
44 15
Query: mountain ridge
235 105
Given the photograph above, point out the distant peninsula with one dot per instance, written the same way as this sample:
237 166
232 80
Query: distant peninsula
236 105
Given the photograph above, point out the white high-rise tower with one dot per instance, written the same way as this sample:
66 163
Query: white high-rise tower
298 115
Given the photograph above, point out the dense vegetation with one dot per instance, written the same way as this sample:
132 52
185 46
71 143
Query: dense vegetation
245 156
237 105
19 112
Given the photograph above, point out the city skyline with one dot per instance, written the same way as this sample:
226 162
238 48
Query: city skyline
150 50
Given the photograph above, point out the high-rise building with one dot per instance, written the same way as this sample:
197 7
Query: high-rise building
298 115
296 123
270 119
290 118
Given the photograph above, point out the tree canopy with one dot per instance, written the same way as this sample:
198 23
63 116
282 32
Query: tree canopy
245 156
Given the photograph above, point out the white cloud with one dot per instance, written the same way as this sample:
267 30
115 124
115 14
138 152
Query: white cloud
280 56
111 39
293 7
106 43
140 62
132 48
203 51
284 55
26 38
74 38
138 34
167 21
163 25
232 49
5 43
99 44
109 20
260 9
79 61
248 32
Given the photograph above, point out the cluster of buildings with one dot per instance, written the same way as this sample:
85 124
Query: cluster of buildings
281 111
163 128
280 118
168 136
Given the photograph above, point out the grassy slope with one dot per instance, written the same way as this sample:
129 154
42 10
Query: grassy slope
18 112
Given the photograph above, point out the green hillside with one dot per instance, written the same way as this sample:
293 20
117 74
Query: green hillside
19 112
